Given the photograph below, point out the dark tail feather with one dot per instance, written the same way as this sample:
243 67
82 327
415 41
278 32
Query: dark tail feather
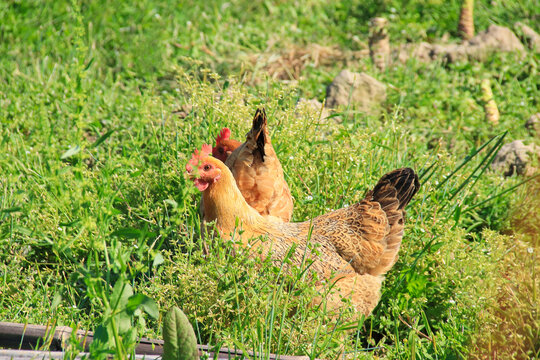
403 181
259 123
393 191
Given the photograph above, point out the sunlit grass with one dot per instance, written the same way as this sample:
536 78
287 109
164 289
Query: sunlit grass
93 193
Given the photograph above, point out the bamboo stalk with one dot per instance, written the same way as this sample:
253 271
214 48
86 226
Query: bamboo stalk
466 20
490 106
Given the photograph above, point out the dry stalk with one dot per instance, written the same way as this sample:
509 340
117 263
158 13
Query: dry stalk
490 106
466 20
379 42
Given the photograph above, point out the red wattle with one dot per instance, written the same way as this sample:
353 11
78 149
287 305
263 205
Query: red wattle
200 184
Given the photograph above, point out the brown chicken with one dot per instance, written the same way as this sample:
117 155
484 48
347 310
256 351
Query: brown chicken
354 246
256 169
225 145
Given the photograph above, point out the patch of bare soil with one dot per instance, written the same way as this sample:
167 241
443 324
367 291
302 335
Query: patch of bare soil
495 39
289 63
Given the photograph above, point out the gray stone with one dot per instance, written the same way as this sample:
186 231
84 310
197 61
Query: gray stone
516 158
357 89
533 125
422 51
494 39
531 37
450 52
313 107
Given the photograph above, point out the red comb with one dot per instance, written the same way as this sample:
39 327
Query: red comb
206 150
197 155
225 134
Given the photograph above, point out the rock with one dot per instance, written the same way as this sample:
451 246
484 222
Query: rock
531 38
422 51
450 52
360 89
516 157
313 107
495 38
426 52
533 125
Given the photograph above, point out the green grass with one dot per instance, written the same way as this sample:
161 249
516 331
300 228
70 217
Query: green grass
94 198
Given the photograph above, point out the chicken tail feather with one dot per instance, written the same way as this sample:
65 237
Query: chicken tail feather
394 191
401 183
258 130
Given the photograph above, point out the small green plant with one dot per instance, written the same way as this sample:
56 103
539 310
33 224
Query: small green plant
102 102
179 338
121 321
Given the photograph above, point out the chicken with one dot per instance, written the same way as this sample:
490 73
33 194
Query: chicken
225 145
354 246
256 169
258 172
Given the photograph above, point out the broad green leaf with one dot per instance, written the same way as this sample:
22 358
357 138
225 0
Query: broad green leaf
180 341
144 302
72 151
121 293
123 321
101 335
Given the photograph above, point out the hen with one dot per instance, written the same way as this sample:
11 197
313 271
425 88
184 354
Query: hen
256 169
355 246
225 145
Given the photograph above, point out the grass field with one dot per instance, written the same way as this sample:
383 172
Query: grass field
94 205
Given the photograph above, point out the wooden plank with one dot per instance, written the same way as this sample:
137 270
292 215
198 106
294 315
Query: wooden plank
25 336
38 355
29 337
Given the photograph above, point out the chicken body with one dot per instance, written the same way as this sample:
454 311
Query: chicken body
258 172
354 246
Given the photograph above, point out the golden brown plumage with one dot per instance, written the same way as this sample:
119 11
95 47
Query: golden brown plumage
354 246
258 172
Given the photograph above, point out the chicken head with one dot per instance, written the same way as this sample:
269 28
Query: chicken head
224 145
202 169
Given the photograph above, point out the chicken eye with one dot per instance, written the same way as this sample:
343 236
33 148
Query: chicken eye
207 167
221 150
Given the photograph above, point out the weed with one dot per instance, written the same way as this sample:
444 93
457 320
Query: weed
97 221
